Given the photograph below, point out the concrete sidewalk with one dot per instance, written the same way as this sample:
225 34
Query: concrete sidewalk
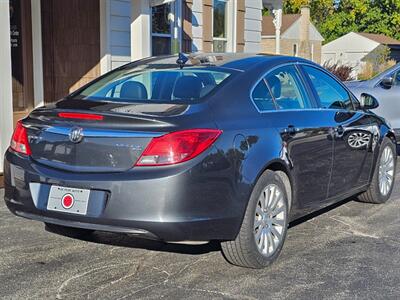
351 251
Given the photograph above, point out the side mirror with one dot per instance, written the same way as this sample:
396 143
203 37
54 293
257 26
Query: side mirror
368 101
387 82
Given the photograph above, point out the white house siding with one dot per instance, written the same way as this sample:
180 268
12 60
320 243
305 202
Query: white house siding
119 34
348 49
6 116
252 26
197 25
119 29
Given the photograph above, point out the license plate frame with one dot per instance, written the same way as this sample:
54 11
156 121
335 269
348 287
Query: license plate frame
68 200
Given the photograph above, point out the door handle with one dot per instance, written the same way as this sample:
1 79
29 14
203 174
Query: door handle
291 130
339 130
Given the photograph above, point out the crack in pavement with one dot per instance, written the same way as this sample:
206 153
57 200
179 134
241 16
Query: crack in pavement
214 292
60 295
354 231
169 276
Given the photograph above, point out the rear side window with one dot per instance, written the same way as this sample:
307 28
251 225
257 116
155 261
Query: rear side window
331 94
262 97
287 88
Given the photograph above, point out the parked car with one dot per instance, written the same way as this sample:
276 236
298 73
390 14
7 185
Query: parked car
224 147
386 88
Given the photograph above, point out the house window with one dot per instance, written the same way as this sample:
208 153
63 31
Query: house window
161 28
295 50
220 25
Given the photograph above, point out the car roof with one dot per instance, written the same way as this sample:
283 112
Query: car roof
237 61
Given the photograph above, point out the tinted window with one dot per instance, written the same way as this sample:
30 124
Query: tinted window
331 94
287 89
262 97
154 85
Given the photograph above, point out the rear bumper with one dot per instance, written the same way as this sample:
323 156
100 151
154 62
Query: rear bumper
188 203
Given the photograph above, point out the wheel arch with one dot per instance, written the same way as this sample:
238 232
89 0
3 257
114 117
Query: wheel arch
391 135
386 131
282 170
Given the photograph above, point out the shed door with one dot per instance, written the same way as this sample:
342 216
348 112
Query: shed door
21 57
71 45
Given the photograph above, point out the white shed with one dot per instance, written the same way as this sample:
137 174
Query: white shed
351 48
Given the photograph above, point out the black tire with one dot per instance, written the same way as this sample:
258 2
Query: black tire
243 251
373 194
68 231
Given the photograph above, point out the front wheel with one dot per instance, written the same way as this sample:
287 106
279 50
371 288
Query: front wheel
263 231
383 178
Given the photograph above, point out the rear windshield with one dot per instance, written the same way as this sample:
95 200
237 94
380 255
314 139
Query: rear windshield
181 85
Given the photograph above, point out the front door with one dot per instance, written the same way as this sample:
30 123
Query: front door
354 141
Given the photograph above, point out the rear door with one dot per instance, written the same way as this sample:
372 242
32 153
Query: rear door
353 135
305 132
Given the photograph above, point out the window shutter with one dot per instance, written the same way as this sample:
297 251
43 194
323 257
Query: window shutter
241 9
187 25
207 25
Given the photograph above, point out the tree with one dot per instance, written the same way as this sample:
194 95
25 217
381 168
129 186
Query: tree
335 18
371 16
320 9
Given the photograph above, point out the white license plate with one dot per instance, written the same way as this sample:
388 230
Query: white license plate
68 200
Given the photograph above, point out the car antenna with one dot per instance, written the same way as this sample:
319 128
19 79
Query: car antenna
182 59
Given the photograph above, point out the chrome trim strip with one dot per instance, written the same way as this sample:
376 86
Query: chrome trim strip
103 133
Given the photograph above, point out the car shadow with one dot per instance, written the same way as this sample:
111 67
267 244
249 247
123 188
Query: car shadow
320 212
126 240
131 241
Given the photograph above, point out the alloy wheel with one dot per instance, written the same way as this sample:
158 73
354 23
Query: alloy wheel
270 220
386 171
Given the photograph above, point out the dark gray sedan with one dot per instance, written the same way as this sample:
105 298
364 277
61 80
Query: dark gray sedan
208 147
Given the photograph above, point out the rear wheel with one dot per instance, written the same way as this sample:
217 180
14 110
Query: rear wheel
382 181
68 231
263 231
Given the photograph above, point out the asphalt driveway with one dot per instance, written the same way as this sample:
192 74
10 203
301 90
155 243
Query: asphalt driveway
350 251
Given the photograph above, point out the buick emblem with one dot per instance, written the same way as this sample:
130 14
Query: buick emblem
76 135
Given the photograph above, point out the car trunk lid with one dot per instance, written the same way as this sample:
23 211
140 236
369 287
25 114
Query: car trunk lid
112 141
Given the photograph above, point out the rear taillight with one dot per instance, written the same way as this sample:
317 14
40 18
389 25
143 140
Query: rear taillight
19 140
177 147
